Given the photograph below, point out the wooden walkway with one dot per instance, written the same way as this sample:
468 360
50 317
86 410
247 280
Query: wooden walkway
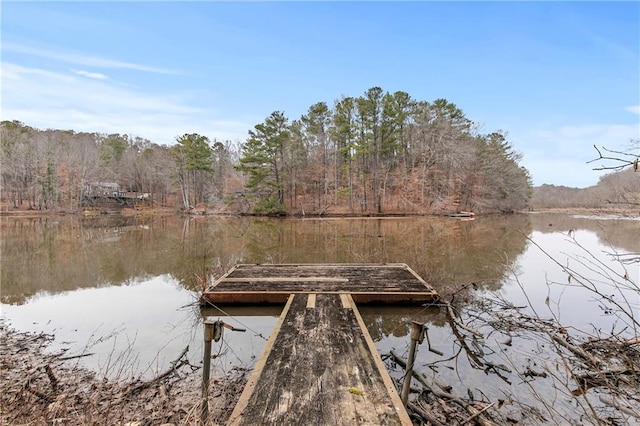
320 366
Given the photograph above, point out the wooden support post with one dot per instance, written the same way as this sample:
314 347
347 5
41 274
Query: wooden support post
206 369
417 335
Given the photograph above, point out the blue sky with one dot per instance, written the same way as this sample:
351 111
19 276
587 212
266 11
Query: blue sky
558 77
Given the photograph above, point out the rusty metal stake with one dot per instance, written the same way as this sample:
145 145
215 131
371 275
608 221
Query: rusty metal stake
417 335
206 369
212 331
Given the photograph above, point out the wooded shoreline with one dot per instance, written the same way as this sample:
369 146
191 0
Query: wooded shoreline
212 213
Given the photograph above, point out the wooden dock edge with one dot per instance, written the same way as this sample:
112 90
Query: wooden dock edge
243 401
281 297
323 265
382 369
415 274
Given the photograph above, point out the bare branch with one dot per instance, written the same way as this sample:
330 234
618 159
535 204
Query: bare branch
622 162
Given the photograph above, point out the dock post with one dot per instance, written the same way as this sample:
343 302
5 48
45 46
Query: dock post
417 335
206 369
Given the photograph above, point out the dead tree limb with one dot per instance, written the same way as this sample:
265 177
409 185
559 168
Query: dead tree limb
469 419
473 356
615 404
175 365
483 421
576 350
425 414
459 323
67 358
52 378
633 161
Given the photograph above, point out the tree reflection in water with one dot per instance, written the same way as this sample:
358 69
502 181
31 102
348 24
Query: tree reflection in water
46 256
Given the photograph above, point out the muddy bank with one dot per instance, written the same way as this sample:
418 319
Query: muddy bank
39 388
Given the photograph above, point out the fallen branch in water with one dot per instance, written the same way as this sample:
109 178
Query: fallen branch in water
86 398
483 421
473 417
471 354
175 365
619 406
575 350
67 358
609 365
610 378
459 323
425 414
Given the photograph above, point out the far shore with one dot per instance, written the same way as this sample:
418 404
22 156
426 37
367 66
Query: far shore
199 212
202 211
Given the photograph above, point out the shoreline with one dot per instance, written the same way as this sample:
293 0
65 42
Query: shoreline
43 388
212 213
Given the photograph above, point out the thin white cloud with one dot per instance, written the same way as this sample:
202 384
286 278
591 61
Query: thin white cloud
88 74
634 109
82 59
46 99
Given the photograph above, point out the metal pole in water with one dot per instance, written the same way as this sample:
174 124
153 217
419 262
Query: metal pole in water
417 335
206 369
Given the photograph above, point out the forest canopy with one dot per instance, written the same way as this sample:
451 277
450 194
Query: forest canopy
379 153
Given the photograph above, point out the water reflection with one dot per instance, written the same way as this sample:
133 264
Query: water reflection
61 254
139 328
135 279
618 231
389 321
554 275
129 330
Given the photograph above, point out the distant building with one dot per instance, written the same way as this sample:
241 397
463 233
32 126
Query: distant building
110 189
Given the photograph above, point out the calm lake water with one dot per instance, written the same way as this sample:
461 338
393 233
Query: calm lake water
126 289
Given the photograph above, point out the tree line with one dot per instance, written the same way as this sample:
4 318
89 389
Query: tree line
379 153
619 189
53 169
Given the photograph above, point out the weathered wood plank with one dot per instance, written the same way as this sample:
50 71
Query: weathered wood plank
391 387
320 367
354 272
311 301
285 280
249 388
280 297
292 285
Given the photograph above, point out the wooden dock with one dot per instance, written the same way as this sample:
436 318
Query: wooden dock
320 365
366 283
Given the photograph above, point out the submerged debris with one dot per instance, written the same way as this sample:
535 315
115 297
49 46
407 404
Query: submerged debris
575 378
41 388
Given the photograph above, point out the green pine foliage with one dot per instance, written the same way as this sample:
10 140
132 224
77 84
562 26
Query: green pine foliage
378 153
381 153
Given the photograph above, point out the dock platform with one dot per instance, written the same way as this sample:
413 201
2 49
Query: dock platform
366 283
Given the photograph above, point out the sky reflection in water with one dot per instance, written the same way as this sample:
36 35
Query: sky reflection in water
140 327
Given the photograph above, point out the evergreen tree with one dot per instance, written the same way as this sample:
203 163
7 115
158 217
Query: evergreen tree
193 158
263 159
